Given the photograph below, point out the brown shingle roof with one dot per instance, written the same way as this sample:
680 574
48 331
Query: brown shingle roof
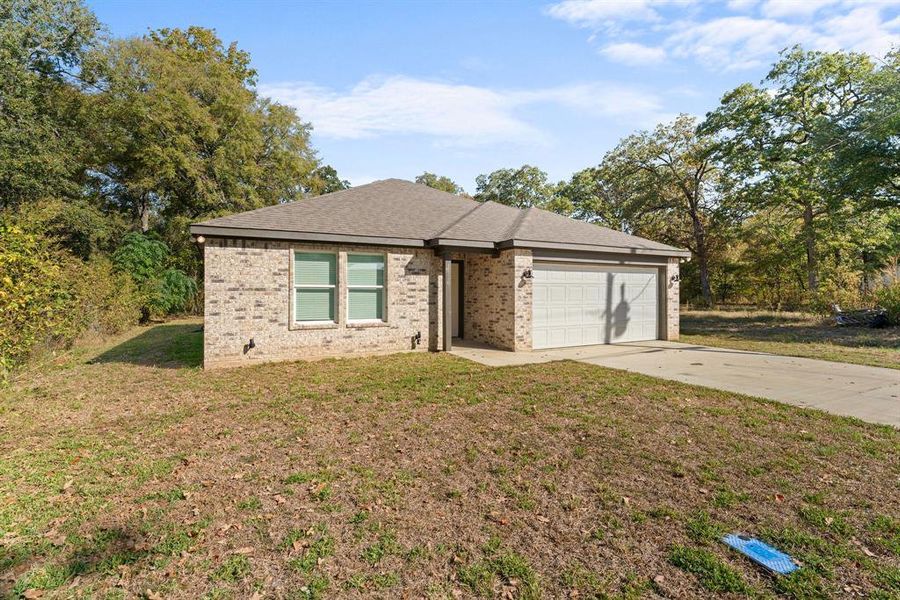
402 210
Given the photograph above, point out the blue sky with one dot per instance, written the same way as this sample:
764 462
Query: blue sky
463 88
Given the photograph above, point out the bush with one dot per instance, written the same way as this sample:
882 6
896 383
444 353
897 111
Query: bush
164 290
842 289
48 297
36 305
888 298
108 300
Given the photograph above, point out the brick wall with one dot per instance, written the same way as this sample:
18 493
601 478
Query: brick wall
248 295
497 300
672 291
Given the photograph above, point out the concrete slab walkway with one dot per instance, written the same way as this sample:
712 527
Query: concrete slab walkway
868 393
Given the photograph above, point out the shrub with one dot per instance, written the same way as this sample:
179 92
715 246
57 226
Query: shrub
842 289
36 304
164 290
108 301
888 298
48 297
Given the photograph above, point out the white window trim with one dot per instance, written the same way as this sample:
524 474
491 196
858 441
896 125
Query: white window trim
382 287
295 287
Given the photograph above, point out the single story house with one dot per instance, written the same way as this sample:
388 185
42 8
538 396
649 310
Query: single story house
395 266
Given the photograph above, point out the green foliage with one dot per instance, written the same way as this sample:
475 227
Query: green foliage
325 180
143 258
75 225
524 187
668 184
48 298
165 290
440 182
888 298
42 44
35 304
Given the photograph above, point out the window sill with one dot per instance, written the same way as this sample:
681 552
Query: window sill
301 326
364 324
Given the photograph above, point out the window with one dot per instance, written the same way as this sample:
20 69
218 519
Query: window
365 287
314 287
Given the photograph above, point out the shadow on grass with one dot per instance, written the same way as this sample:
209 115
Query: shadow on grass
171 346
104 552
792 329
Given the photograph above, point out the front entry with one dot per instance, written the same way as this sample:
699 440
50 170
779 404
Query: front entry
456 301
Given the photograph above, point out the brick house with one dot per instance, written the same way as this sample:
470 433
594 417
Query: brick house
396 266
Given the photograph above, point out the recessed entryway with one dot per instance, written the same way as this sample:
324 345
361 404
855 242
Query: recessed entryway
457 301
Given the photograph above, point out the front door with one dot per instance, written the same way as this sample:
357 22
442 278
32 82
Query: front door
456 295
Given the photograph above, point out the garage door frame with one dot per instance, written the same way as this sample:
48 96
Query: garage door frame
617 261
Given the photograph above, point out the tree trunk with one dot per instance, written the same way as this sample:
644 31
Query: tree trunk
145 214
812 257
702 258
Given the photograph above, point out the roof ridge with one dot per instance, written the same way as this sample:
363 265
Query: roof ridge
477 206
517 224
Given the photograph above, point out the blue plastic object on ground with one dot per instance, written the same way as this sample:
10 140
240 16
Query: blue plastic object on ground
761 553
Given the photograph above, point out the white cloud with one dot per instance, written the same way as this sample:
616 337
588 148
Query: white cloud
594 13
794 8
741 5
404 105
862 30
452 113
648 31
631 53
734 43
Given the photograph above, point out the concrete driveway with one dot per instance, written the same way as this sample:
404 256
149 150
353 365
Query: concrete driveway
868 393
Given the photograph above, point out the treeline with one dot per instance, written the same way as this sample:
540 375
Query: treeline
788 194
109 149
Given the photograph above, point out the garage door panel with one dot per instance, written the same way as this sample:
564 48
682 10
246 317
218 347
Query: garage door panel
585 304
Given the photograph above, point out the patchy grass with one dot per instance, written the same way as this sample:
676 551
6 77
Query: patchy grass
792 334
126 471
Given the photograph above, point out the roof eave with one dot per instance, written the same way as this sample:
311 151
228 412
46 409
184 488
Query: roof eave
514 243
302 236
459 243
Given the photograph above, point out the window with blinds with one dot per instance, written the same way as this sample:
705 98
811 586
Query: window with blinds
315 283
365 287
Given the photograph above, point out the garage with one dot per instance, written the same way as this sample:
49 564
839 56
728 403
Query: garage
579 305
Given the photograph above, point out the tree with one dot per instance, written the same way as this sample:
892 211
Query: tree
42 46
524 187
186 134
440 182
779 142
868 148
325 180
598 196
668 180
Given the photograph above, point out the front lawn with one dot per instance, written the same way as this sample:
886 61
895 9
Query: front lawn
126 471
792 334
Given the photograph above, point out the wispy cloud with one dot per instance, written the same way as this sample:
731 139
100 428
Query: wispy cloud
453 113
631 53
749 33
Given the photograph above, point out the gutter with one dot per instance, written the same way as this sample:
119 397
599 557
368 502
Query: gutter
439 244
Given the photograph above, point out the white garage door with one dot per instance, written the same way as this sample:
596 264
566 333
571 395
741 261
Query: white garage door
577 305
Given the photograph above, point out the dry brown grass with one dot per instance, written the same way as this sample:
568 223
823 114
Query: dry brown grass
423 475
793 334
